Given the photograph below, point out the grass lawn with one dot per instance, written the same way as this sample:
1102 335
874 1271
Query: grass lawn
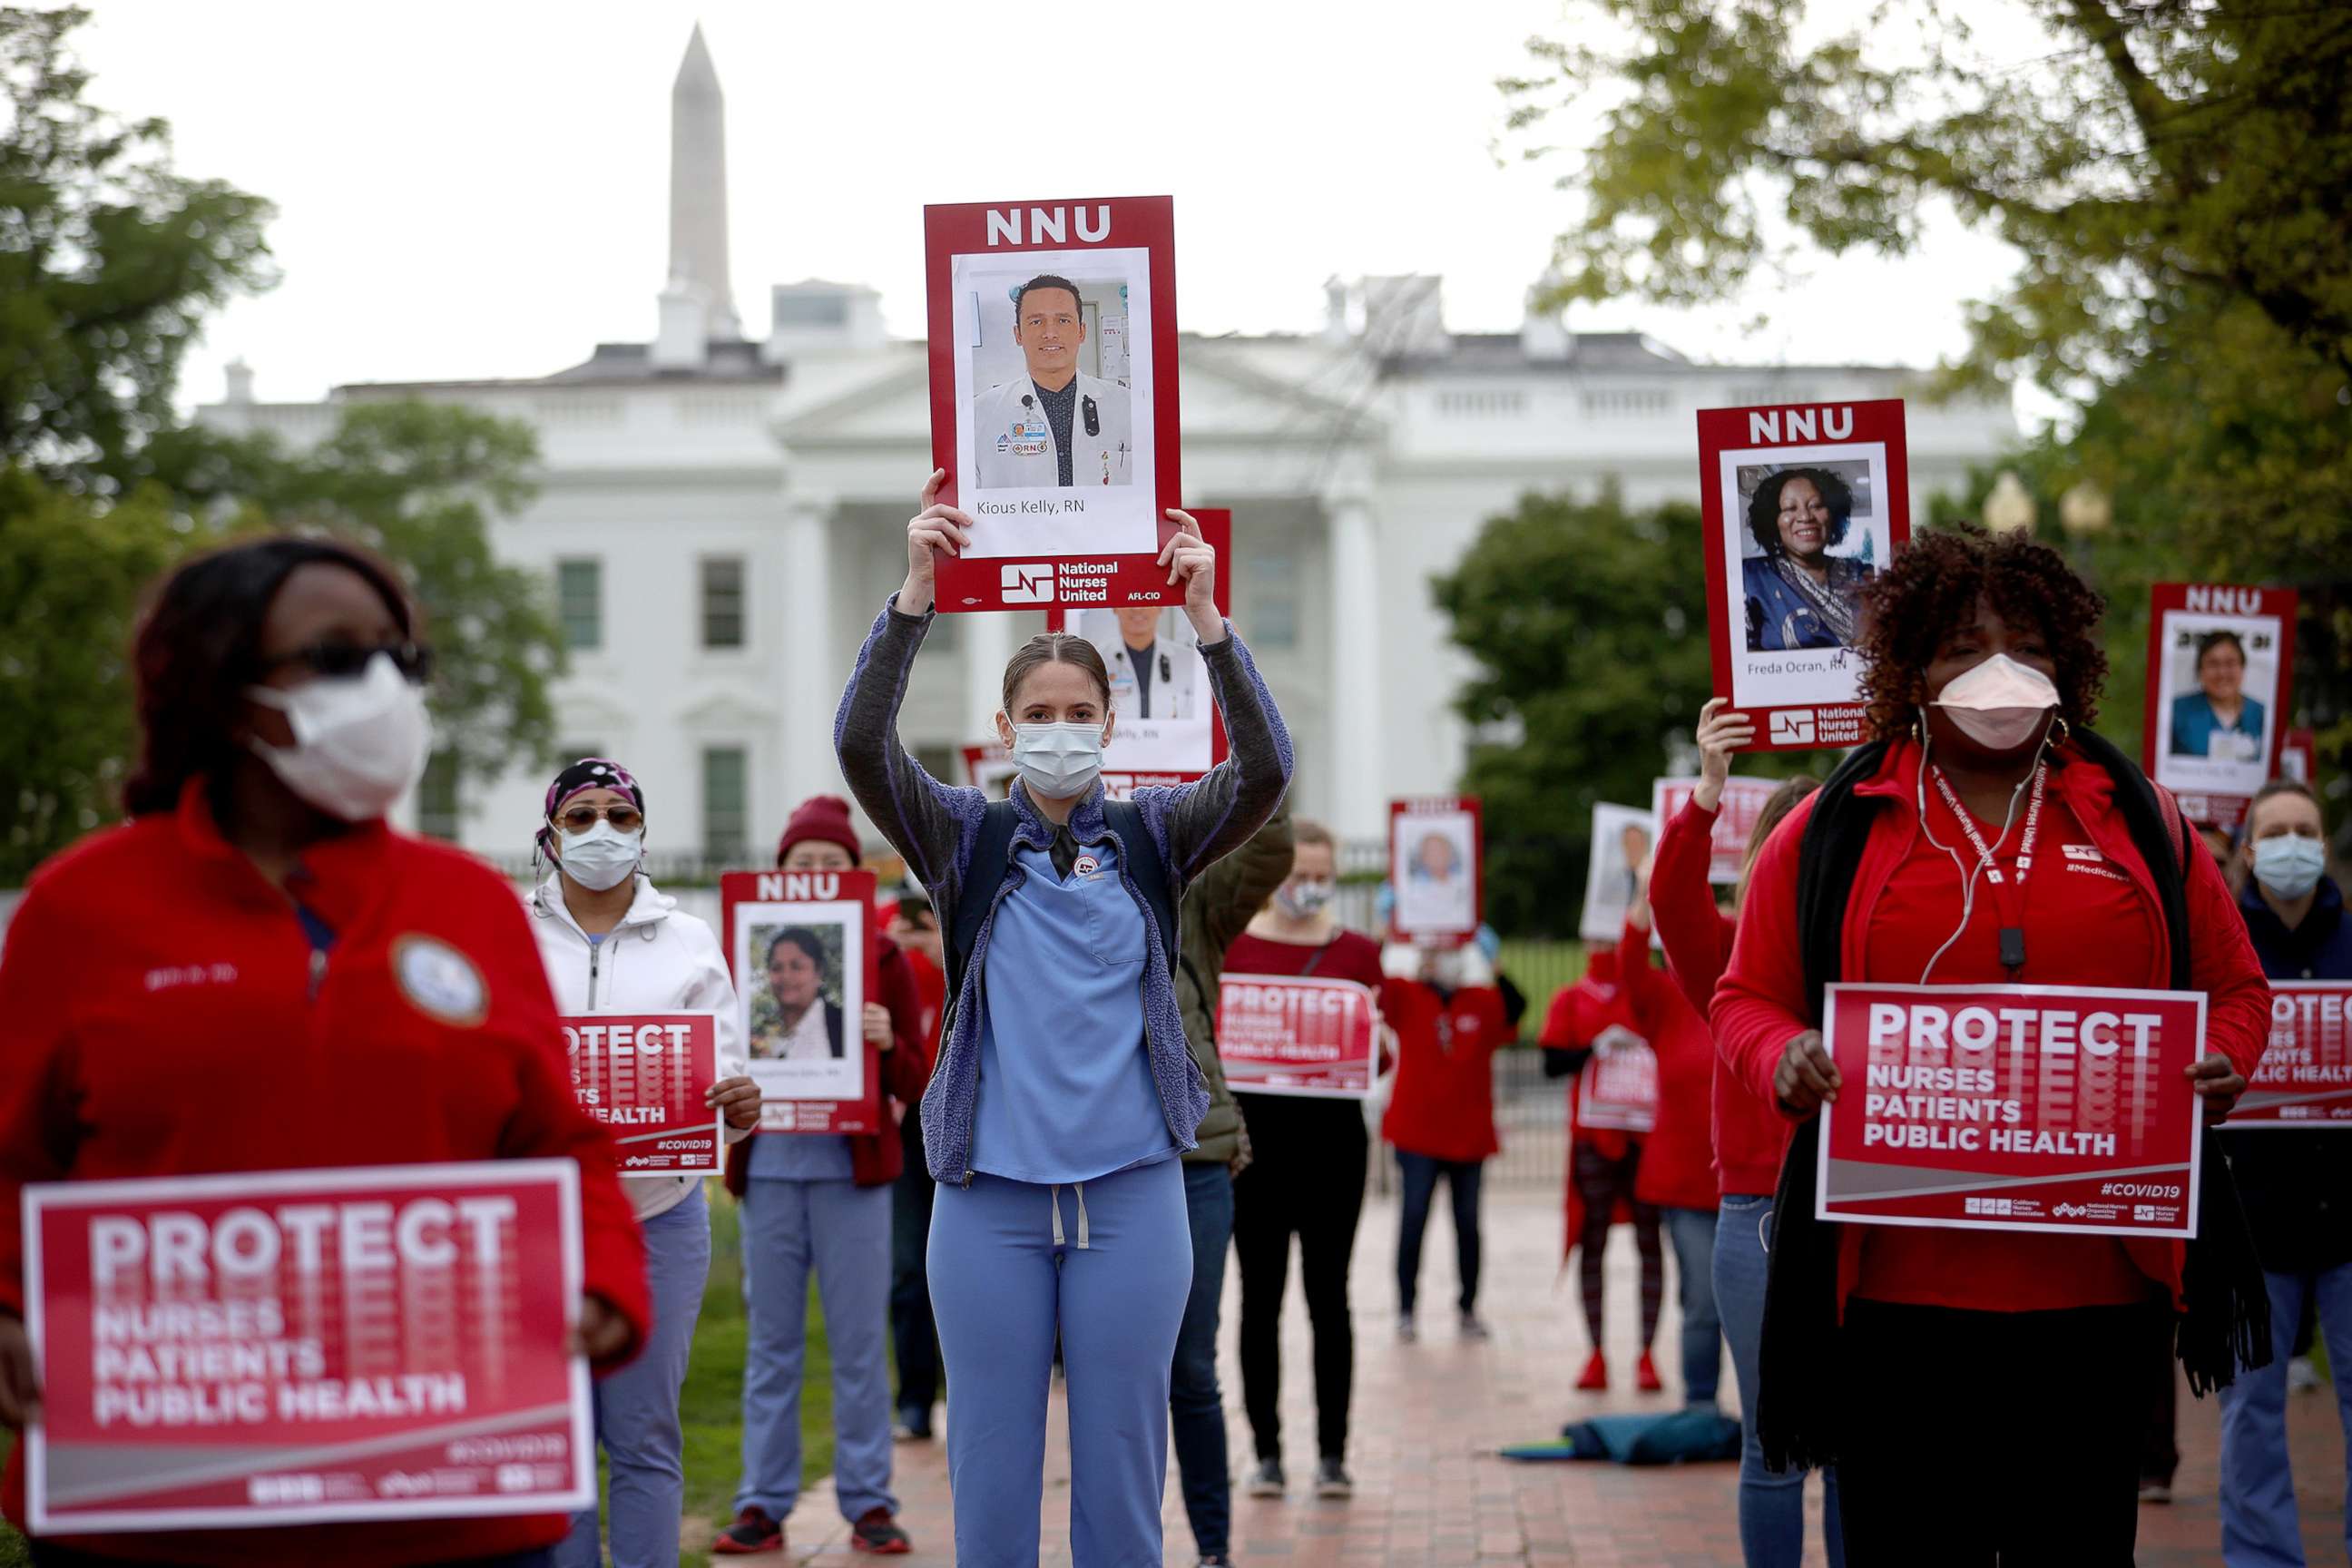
711 1406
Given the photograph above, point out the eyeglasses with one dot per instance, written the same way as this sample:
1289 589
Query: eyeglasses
337 660
581 818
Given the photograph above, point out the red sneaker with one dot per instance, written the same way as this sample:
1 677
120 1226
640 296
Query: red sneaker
877 1533
1596 1375
753 1532
1645 1375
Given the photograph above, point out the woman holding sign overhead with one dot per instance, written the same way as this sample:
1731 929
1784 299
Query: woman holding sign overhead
256 972
612 944
1064 1090
1983 836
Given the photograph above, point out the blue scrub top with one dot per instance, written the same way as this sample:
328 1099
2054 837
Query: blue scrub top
1065 1086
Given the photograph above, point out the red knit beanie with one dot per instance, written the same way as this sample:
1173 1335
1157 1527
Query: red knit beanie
826 818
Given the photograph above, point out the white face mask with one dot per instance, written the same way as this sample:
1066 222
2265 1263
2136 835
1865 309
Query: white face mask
601 856
2001 703
360 741
1303 898
2288 864
1057 760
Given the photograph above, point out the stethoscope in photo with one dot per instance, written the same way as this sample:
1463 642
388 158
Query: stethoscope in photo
2013 938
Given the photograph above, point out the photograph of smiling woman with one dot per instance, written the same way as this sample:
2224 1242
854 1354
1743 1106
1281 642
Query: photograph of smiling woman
1797 594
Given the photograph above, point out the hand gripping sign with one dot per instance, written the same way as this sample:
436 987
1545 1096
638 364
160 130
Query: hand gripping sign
2305 1076
803 948
1437 870
1166 727
1286 1033
1618 1090
1053 410
2031 1107
1804 505
645 1075
2220 667
306 1346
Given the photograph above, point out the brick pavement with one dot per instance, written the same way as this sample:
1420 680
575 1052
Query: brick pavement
1429 1416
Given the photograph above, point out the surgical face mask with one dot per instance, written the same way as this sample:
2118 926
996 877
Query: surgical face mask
2289 864
360 741
1057 760
601 856
2001 703
1303 898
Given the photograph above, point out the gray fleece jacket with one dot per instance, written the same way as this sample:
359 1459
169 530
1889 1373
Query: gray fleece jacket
936 827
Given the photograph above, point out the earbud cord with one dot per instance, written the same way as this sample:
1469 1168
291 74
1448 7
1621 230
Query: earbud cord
1968 873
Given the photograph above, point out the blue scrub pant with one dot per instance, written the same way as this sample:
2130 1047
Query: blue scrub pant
2259 1527
1114 1284
842 1232
636 1407
1771 1503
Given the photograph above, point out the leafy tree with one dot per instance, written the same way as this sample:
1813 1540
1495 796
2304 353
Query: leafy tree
109 261
1588 621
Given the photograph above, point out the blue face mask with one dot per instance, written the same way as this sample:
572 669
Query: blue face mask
2288 865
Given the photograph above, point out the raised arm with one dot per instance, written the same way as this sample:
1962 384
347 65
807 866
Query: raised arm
1682 904
924 820
1223 899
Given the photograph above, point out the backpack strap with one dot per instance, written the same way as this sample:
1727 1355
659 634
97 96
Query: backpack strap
991 856
1125 818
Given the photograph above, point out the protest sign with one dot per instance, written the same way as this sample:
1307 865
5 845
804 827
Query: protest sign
987 768
1436 870
2218 663
644 1076
1804 505
2032 1108
2299 756
1054 406
1286 1034
2305 1076
1166 728
802 946
1622 838
306 1346
1735 818
1617 1089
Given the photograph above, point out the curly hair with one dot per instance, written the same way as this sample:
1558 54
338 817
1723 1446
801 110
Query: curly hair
1764 507
1934 584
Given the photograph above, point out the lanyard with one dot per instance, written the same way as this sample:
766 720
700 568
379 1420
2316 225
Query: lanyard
2005 892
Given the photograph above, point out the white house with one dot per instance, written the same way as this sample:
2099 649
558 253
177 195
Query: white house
722 517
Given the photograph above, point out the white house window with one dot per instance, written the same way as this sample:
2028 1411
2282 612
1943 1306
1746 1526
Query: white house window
1625 402
722 600
1272 600
437 805
726 803
1482 404
580 602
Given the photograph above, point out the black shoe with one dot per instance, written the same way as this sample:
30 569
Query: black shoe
1266 1479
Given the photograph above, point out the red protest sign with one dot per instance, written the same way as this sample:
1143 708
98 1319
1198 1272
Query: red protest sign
2305 1076
644 1076
1735 819
1054 402
989 769
1168 729
306 1346
2037 1108
1803 504
1282 1033
803 949
1618 1090
2221 662
1437 869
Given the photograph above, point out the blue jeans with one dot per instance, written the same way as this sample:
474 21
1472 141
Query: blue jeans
1195 1404
912 1333
2259 1527
1771 1503
636 1407
1692 1231
1421 1173
842 1232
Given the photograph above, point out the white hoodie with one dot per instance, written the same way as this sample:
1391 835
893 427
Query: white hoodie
656 961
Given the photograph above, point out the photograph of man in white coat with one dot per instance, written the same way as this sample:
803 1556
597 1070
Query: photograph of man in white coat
1055 426
1155 666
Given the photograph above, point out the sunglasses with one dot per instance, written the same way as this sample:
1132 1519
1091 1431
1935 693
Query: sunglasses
338 660
581 818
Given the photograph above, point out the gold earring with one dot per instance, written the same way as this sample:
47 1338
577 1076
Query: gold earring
2066 731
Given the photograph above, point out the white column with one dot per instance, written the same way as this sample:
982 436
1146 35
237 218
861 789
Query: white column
1359 794
810 664
987 644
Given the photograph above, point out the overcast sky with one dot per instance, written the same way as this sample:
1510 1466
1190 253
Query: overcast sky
480 189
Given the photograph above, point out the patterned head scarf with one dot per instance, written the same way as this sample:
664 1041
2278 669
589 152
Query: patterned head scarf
587 773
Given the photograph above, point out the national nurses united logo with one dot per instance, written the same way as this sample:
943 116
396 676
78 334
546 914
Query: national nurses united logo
438 981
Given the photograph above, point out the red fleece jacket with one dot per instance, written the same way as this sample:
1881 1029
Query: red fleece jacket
161 1013
1677 1161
